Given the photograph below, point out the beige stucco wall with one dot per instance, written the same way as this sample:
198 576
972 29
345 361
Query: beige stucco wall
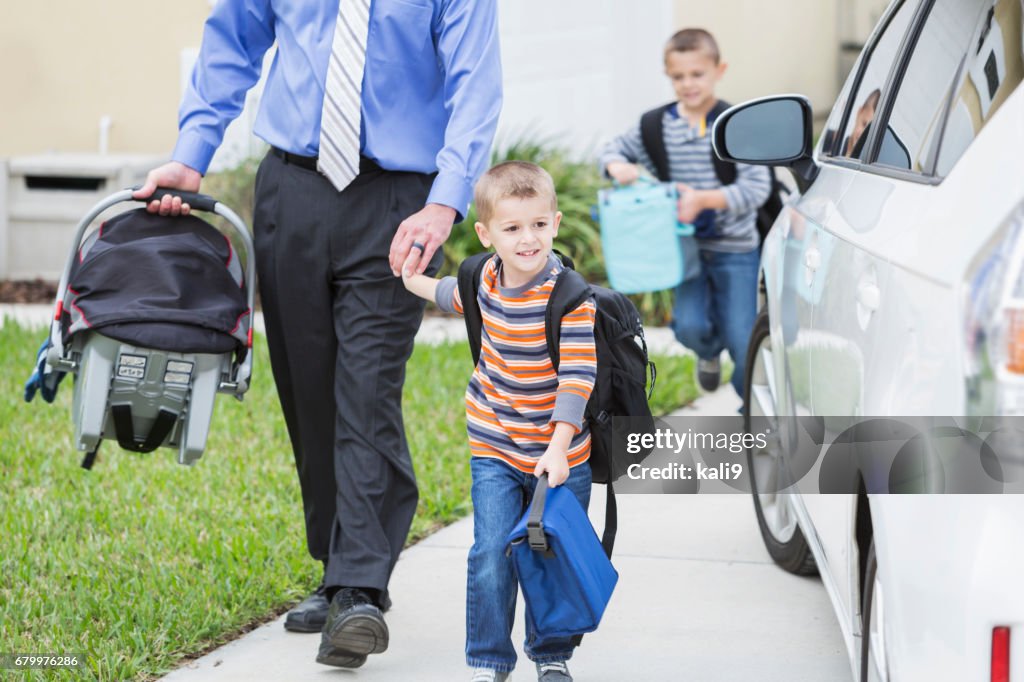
66 63
772 47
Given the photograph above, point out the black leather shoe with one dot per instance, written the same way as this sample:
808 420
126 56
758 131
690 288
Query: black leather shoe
355 625
310 615
328 655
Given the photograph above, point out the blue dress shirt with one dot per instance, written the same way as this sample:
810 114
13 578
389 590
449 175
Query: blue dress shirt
431 84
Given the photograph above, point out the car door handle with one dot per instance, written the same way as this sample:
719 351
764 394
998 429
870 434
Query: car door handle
868 296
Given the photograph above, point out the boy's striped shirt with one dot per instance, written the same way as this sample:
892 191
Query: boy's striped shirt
515 396
689 158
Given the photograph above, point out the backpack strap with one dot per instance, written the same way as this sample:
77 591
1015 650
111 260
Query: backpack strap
569 292
652 135
470 272
725 171
611 526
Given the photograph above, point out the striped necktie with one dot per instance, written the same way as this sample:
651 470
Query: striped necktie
340 120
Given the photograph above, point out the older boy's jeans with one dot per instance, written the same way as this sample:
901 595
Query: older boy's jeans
501 495
716 309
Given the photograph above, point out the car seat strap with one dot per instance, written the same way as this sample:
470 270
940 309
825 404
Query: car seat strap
90 457
125 429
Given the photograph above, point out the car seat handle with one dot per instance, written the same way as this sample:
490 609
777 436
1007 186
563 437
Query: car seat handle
200 202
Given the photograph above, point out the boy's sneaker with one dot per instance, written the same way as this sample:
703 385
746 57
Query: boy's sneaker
488 675
555 671
709 373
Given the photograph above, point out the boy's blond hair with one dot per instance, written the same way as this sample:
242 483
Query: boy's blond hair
690 39
515 179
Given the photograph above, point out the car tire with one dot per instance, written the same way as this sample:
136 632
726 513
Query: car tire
873 665
782 537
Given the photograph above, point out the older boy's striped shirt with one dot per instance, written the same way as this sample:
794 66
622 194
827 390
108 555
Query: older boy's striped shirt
689 159
515 396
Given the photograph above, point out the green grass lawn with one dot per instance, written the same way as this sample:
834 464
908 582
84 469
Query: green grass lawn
142 562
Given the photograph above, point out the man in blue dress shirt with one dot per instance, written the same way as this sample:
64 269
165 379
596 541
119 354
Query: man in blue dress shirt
340 324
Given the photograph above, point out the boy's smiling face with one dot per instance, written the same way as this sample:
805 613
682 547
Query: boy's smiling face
521 232
694 75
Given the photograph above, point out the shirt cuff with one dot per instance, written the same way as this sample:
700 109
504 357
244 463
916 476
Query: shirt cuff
610 158
569 408
453 191
445 294
193 151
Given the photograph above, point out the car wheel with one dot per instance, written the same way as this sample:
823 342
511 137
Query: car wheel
874 666
784 540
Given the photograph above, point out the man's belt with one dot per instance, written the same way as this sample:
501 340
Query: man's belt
307 162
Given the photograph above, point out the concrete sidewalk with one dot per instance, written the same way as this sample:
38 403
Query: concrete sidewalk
698 599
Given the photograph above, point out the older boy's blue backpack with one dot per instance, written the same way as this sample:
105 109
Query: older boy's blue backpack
622 367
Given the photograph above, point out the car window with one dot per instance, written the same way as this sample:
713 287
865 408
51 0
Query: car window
835 119
992 69
956 42
873 75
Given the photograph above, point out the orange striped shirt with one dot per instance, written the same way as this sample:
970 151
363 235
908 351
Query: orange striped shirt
515 396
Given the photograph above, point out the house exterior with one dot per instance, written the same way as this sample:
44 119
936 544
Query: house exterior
107 76
93 88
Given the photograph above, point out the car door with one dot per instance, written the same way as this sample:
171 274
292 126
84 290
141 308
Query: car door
966 61
850 273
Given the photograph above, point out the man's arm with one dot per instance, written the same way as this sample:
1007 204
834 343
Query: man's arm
237 35
467 46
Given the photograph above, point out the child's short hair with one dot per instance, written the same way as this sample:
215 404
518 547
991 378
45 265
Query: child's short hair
690 39
518 179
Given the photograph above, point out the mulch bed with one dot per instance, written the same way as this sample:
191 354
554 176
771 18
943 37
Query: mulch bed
27 291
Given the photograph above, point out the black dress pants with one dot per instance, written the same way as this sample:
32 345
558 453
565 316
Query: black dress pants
340 328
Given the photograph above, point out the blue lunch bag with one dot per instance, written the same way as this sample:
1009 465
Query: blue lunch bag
645 248
563 571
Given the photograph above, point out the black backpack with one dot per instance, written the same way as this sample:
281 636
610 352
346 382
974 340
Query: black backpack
653 136
622 366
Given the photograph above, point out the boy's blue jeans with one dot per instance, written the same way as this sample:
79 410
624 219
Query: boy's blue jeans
716 309
501 495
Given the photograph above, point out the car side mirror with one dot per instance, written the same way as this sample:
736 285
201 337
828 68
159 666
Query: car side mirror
771 131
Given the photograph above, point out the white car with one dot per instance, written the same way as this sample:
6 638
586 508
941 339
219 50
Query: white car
893 285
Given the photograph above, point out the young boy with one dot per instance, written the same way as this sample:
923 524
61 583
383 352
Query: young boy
523 417
715 309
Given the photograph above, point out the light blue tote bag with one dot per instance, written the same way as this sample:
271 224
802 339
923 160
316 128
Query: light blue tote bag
645 247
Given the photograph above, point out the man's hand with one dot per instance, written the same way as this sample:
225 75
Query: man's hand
623 173
174 175
428 228
555 462
690 203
